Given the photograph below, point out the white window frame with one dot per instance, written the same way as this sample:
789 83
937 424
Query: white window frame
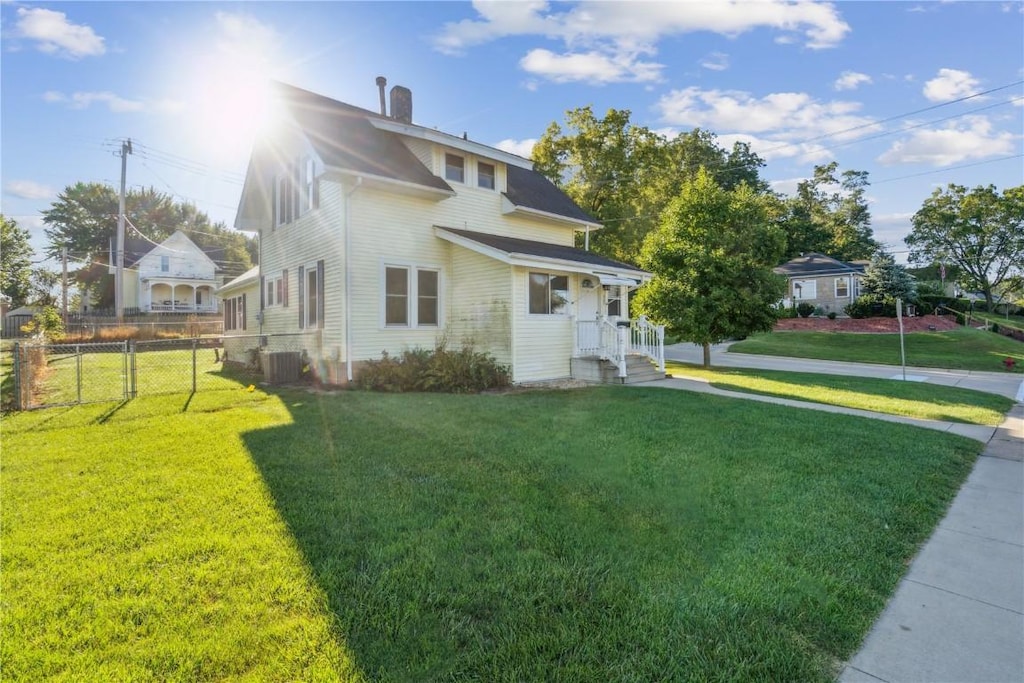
565 309
165 263
800 289
274 292
846 282
494 175
297 184
444 162
412 295
309 312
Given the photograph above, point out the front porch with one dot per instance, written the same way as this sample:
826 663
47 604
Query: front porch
172 295
618 350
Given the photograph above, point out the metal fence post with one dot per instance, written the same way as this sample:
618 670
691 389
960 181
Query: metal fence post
195 343
17 377
133 371
78 371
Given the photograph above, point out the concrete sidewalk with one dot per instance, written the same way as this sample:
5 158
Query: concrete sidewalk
958 614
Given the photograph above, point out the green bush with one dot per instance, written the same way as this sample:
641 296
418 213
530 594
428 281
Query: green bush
440 370
804 309
789 312
831 315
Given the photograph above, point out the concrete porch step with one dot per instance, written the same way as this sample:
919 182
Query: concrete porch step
638 369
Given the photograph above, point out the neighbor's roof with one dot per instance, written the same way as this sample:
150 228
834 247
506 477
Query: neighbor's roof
345 137
246 279
519 251
812 264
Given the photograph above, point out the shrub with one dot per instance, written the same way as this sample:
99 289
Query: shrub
442 370
867 307
804 309
819 311
831 315
783 313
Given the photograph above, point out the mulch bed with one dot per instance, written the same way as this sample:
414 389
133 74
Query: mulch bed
922 323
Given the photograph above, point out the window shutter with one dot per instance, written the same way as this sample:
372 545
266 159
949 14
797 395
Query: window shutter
263 286
302 303
227 314
316 194
320 293
273 204
284 276
243 311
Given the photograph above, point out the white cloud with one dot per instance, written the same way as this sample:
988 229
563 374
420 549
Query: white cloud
716 61
28 189
776 125
616 33
522 148
591 67
244 37
84 100
56 35
851 80
972 137
951 84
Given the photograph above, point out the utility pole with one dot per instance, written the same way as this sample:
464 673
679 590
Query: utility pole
64 285
126 149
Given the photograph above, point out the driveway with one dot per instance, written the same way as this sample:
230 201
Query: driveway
1005 383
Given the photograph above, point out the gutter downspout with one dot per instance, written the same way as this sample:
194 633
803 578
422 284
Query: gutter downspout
348 277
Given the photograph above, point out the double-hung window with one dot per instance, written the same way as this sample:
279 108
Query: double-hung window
296 191
311 295
549 294
165 264
411 296
842 287
454 168
234 313
485 175
805 289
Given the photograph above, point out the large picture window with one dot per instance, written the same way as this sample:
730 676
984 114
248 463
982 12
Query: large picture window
411 296
805 289
549 294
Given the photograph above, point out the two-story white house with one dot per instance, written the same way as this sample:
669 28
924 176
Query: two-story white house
174 276
377 234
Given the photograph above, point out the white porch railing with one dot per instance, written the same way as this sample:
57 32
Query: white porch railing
610 341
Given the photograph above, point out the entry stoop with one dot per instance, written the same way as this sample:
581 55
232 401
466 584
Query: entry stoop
638 369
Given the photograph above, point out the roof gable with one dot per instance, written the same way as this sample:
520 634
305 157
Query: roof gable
532 190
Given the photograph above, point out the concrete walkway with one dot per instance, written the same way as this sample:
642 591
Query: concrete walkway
958 614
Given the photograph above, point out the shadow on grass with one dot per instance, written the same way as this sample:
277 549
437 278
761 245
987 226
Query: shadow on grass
601 534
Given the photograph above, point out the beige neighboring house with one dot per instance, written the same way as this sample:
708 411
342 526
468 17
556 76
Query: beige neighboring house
377 234
821 281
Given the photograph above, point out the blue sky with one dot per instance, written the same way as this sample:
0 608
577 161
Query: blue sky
871 85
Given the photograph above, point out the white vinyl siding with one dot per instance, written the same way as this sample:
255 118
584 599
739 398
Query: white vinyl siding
542 344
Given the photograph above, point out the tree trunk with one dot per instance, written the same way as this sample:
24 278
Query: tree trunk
707 355
989 306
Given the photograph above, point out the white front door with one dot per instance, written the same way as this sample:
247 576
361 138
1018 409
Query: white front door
588 305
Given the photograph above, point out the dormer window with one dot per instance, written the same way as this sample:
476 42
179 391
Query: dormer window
454 168
485 175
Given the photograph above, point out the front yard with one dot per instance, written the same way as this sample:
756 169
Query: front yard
601 534
962 348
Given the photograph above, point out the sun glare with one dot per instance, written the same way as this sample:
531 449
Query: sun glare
232 105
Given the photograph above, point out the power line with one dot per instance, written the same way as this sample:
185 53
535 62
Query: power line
948 168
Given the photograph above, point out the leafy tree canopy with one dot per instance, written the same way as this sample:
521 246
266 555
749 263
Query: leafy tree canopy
830 215
624 174
15 262
980 230
712 258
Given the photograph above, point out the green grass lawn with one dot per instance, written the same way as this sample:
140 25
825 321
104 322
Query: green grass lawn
911 399
1014 321
959 349
610 533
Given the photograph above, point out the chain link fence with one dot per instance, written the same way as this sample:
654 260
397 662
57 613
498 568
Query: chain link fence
46 375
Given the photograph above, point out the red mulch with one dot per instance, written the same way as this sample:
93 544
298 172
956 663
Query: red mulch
867 325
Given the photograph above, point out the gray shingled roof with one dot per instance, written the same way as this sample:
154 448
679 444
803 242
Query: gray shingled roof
344 138
817 264
514 245
533 190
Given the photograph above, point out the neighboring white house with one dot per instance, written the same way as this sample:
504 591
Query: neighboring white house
174 276
377 235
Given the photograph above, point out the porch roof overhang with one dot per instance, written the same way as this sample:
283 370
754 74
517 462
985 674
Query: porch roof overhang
533 254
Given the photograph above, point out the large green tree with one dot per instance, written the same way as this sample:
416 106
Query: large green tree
979 230
712 258
624 174
15 262
885 280
84 219
830 215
